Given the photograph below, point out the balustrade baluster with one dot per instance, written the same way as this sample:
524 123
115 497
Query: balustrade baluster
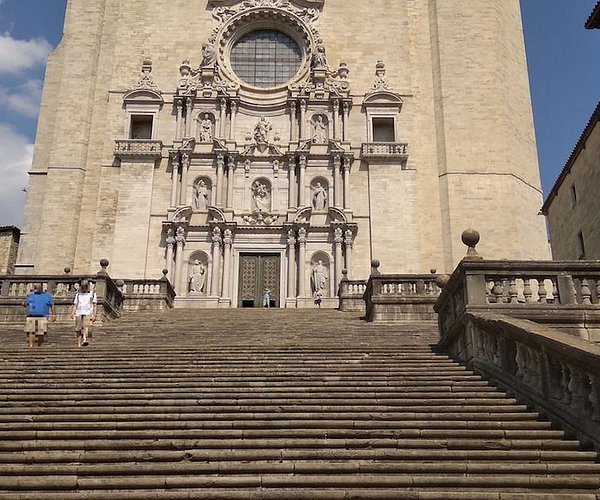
527 292
555 296
542 292
586 293
512 291
498 291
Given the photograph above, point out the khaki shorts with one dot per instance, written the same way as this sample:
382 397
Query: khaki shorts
36 325
83 321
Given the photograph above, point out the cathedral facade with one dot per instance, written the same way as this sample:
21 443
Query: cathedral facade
252 146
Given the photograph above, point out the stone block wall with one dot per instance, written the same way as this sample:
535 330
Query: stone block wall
9 244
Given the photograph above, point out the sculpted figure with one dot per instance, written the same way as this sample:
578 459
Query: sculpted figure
261 130
319 59
206 129
209 55
319 197
201 195
261 197
320 277
319 130
197 277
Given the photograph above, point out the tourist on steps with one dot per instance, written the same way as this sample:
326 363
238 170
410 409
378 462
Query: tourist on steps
266 297
39 305
84 312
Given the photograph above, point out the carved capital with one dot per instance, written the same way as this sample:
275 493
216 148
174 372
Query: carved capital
291 240
180 236
338 236
302 234
216 236
228 237
349 238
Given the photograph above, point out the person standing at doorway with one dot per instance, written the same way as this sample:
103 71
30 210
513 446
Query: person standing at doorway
39 305
84 312
266 302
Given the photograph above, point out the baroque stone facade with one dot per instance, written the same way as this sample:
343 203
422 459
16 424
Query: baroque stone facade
251 144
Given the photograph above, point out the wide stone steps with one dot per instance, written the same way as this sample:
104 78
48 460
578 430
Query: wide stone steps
268 404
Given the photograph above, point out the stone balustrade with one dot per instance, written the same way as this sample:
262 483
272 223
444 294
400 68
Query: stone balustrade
351 295
401 297
386 150
145 148
147 295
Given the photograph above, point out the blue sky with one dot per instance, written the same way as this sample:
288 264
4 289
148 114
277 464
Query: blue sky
563 58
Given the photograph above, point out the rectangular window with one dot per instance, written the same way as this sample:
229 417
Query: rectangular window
141 127
581 245
383 130
573 196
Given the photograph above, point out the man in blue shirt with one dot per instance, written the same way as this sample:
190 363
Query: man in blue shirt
39 305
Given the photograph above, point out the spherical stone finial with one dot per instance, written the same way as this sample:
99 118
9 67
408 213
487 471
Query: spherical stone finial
67 270
104 263
433 270
165 272
442 280
375 267
120 283
470 237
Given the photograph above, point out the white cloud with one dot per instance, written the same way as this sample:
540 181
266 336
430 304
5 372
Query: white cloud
16 153
17 56
24 99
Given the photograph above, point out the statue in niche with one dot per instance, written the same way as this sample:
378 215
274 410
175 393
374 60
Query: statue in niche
261 197
261 131
320 132
319 59
201 195
206 129
209 55
319 198
197 277
320 275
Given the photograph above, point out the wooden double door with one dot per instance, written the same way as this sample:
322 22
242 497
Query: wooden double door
257 273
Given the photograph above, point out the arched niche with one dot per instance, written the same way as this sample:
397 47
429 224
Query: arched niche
205 127
319 128
261 192
319 194
198 273
202 193
320 274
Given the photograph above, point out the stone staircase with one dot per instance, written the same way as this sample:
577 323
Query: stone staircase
277 404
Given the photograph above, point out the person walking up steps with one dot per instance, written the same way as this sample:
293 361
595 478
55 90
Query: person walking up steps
39 305
84 312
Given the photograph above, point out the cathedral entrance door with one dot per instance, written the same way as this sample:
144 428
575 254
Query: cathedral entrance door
257 272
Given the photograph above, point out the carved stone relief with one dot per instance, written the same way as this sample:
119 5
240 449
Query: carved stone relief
261 196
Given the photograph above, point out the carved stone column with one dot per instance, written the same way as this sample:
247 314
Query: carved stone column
222 117
349 241
338 240
174 178
302 262
230 178
170 240
346 165
227 242
180 277
291 242
336 118
185 167
345 121
293 122
232 123
216 261
303 119
301 186
337 181
292 197
179 124
219 186
189 108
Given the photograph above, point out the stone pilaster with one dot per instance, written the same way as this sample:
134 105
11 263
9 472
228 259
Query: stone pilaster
180 276
222 117
292 197
179 124
185 167
216 261
338 240
302 236
349 241
301 182
304 132
234 107
230 179
337 181
346 166
174 178
227 243
170 241
189 108
293 122
219 186
291 248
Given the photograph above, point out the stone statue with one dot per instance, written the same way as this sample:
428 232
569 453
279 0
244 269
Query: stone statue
209 55
201 195
320 131
319 59
197 277
261 197
206 129
320 276
319 197
261 131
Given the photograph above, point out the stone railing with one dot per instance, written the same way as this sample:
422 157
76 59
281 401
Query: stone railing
145 148
563 294
351 295
147 295
557 373
389 150
400 297
14 289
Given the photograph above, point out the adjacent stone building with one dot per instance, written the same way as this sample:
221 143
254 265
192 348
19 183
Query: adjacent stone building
251 144
573 207
9 245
